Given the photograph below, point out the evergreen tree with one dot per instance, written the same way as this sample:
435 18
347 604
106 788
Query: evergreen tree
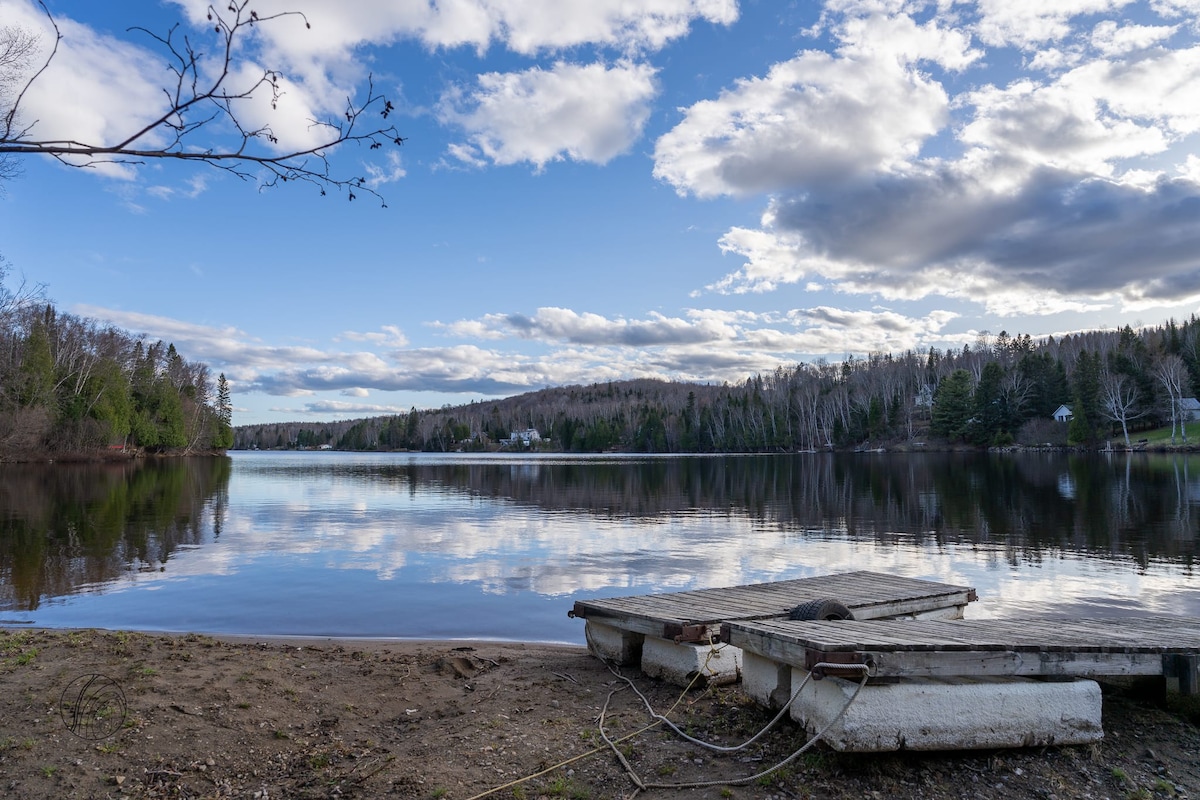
1085 422
991 417
953 406
223 436
36 374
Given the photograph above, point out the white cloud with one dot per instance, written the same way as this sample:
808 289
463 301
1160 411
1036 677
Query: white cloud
97 89
814 119
1112 39
1044 194
1056 126
900 38
1031 23
1047 244
554 346
1175 8
391 172
386 336
228 345
587 112
565 325
527 27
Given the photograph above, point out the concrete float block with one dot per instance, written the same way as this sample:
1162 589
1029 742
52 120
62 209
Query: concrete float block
679 662
613 644
766 682
950 713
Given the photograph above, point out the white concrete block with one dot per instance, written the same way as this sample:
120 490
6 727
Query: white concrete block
613 644
679 663
766 682
950 713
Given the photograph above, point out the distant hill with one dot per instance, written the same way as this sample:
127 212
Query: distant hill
1004 390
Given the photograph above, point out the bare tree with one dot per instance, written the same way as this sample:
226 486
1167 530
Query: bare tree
17 47
1172 374
1118 400
199 101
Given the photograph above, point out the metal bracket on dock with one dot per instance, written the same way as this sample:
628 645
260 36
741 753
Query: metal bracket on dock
814 657
689 633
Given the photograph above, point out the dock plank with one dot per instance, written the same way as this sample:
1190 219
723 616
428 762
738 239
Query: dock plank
918 648
866 594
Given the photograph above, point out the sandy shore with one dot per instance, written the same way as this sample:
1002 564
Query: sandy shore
279 718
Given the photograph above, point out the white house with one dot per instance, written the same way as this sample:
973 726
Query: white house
525 437
1189 408
1063 414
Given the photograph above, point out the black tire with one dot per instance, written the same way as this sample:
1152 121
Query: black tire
820 609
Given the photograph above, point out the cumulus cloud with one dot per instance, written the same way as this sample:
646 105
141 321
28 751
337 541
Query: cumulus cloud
815 119
590 112
527 27
1031 23
1112 39
565 325
100 89
1052 244
97 89
1066 190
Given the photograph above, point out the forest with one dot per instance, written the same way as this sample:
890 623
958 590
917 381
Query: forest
71 387
1002 391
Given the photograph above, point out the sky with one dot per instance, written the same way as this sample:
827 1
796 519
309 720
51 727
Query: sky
593 190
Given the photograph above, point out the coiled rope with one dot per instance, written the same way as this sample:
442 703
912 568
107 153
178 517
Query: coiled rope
661 719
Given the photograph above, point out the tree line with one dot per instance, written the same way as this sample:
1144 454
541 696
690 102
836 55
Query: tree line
71 386
1003 390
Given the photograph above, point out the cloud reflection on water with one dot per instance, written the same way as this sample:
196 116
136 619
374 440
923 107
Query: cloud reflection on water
326 542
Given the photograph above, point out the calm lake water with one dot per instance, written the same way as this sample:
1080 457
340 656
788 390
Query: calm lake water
500 547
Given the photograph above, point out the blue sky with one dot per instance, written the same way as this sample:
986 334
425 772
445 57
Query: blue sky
597 189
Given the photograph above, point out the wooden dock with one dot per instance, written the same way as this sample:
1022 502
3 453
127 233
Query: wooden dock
1166 646
695 616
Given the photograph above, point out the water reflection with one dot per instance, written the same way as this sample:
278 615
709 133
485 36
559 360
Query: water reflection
63 527
487 546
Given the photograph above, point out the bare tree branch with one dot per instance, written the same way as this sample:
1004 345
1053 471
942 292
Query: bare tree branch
197 101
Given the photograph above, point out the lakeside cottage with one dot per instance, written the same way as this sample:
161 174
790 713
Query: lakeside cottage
523 438
1063 414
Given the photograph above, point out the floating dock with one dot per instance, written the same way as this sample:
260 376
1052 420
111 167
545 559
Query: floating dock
672 634
935 681
959 684
1044 647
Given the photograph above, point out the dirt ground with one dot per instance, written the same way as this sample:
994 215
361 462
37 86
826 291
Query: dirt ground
194 716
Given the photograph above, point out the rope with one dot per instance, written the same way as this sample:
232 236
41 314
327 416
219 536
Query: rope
642 785
660 719
595 750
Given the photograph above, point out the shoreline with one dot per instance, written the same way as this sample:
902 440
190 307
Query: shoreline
307 717
14 626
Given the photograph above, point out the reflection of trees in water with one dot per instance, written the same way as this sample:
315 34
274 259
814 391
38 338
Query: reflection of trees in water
1021 505
63 526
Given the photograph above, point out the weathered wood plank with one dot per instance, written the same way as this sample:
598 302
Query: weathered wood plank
996 663
867 594
920 648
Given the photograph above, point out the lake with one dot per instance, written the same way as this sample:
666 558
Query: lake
500 546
